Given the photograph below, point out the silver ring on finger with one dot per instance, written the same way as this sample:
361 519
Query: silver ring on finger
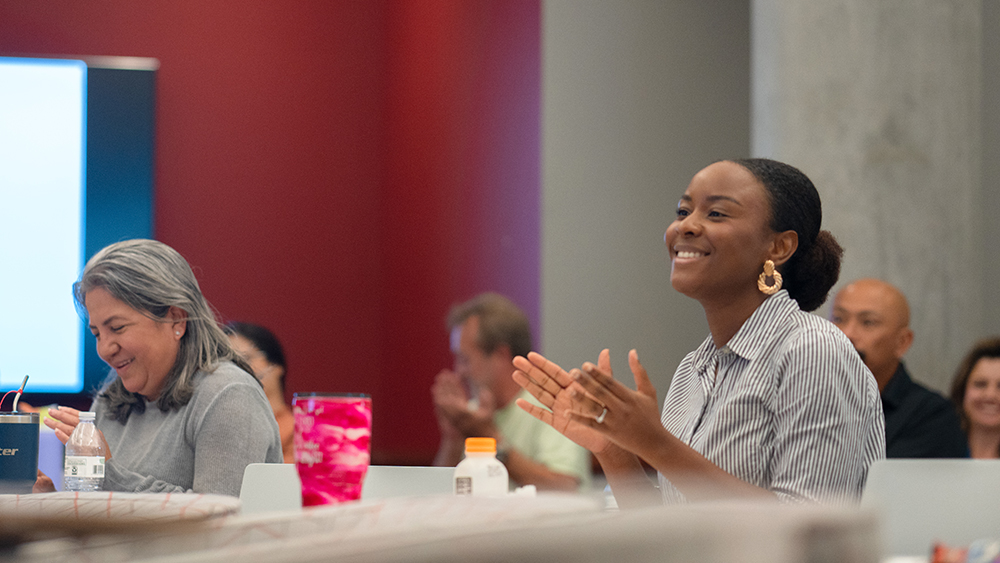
600 418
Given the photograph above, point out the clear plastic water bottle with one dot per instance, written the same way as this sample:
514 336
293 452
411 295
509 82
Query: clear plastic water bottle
481 474
84 466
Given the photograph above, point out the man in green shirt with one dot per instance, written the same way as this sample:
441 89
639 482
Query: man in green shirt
477 399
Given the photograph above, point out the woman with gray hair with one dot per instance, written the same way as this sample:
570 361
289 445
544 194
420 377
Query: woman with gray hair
180 411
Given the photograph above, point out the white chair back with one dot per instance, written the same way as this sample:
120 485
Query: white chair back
922 501
385 481
269 487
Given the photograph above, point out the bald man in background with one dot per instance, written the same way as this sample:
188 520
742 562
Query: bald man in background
919 423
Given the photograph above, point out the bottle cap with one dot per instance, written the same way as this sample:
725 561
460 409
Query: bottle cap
485 445
88 415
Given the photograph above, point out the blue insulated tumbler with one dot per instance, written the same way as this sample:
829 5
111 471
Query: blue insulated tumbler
18 451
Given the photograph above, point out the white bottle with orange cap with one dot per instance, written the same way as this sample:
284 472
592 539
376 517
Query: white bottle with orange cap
481 474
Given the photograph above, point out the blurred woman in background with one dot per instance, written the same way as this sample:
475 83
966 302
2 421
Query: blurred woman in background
261 348
976 394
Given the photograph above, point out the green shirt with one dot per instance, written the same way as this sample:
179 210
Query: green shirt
541 442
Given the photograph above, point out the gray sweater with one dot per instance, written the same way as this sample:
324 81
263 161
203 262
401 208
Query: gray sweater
203 447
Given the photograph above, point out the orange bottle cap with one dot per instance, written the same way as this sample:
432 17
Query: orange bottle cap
488 445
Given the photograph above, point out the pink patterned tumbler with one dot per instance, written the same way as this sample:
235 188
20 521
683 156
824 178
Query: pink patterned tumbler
332 445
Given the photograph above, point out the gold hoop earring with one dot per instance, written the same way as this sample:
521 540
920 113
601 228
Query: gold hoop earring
769 271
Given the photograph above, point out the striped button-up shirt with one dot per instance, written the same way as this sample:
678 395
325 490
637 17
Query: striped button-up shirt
786 405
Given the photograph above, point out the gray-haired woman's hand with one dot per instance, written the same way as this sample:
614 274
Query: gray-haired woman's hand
64 419
43 484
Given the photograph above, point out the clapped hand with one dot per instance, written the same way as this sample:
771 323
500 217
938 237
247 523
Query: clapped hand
630 419
554 388
451 404
449 396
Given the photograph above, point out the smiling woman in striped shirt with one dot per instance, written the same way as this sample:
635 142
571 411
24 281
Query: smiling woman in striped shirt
775 403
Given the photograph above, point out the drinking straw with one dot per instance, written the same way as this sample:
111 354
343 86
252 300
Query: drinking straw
19 391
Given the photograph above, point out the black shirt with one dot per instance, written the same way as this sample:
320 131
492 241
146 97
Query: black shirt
919 422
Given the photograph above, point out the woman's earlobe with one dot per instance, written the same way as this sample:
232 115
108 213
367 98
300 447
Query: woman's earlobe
178 317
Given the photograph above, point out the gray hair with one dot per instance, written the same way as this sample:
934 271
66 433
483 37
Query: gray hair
151 277
500 322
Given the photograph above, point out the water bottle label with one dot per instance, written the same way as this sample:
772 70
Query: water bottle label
463 485
83 466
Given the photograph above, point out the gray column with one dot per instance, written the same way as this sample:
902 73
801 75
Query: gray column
991 165
879 102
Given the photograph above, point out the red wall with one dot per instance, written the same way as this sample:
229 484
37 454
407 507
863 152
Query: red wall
340 171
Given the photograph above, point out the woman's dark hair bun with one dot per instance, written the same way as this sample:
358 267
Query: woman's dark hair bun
816 272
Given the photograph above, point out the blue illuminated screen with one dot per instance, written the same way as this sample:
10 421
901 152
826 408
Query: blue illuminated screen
43 113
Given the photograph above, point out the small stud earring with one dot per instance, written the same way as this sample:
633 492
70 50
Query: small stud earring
177 332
